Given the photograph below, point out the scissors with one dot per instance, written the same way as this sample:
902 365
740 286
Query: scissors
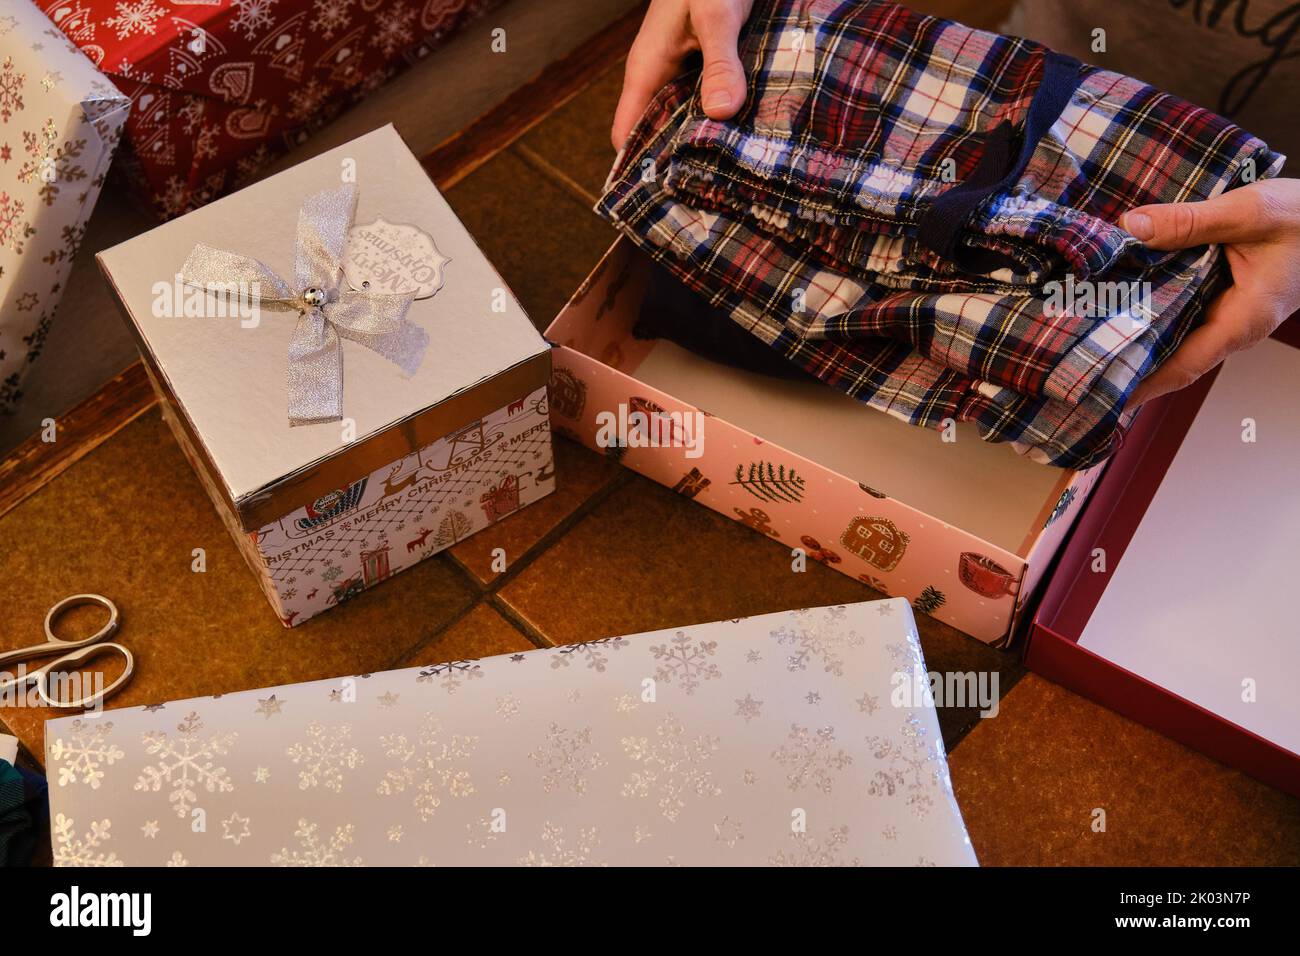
79 651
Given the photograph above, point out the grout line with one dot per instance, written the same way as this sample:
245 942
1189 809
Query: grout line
520 623
486 592
433 635
553 172
561 528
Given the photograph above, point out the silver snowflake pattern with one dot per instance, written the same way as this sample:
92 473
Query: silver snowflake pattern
811 758
325 756
913 766
86 752
907 655
562 850
818 636
313 851
71 849
331 16
565 759
186 762
748 707
685 661
593 652
728 832
451 675
432 766
672 766
810 851
253 16
135 16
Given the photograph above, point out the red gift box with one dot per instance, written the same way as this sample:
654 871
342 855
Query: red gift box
1058 647
221 87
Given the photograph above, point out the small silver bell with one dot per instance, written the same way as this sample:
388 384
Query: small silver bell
314 297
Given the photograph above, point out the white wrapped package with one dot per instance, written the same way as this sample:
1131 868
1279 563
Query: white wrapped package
773 740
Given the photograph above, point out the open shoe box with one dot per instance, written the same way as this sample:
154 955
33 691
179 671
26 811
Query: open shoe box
1171 601
963 529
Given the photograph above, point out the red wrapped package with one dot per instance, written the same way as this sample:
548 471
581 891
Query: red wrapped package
220 87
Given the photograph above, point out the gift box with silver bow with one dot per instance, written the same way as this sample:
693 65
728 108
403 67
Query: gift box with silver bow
350 377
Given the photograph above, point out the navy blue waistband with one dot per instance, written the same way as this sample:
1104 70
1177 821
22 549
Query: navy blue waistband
999 168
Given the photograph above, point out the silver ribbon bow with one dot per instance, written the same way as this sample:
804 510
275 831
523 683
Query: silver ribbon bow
327 312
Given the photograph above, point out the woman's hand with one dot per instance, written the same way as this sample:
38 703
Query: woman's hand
1259 228
671 30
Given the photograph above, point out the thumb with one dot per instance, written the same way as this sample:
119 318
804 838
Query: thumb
1229 218
722 81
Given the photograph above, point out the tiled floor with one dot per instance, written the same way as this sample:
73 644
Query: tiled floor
609 553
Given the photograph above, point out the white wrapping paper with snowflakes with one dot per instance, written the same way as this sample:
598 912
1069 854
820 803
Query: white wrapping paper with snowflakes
60 120
772 740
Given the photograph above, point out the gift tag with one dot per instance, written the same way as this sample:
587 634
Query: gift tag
388 258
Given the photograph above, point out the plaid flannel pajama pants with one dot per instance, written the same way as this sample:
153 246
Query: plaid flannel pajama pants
925 217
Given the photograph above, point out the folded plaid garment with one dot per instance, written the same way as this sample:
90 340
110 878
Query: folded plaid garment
923 215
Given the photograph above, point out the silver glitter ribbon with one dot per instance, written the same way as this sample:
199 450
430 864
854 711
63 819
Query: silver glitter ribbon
327 313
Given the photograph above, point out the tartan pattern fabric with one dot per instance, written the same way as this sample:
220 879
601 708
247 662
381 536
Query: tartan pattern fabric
799 218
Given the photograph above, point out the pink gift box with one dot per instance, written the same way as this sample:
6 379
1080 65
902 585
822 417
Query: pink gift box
1171 601
962 528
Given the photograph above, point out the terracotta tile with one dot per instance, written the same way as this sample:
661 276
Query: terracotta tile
541 239
575 138
123 522
579 473
1029 780
483 632
646 558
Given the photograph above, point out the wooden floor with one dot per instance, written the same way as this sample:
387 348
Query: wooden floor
118 511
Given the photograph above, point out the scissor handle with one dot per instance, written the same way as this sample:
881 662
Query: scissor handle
76 600
79 656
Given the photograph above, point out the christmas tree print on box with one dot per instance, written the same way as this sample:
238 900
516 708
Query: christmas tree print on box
328 552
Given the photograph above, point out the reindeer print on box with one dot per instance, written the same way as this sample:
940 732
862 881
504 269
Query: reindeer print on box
329 551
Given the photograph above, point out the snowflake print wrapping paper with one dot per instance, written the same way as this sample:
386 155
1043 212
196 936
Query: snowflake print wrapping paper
774 740
60 121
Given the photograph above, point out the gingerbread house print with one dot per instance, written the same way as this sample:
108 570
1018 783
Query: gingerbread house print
876 541
568 393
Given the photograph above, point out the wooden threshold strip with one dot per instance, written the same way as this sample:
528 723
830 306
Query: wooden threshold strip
463 152
28 467
128 395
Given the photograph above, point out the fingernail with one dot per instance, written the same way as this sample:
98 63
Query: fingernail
1140 225
718 100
